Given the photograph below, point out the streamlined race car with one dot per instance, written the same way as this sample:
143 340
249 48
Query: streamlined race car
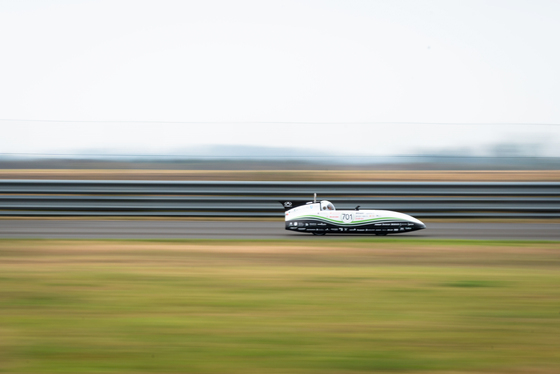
321 217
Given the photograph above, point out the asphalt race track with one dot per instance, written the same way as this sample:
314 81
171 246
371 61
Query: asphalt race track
168 229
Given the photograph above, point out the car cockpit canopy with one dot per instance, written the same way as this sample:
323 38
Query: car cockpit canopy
327 205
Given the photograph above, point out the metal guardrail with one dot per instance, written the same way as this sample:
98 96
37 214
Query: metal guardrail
260 199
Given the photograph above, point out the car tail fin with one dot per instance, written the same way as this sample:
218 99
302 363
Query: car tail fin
289 204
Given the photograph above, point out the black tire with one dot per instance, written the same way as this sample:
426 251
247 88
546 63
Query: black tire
318 233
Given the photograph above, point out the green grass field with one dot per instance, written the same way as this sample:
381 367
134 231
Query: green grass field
353 306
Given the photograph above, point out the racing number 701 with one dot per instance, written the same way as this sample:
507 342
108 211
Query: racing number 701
346 216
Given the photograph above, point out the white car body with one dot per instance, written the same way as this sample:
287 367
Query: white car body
321 217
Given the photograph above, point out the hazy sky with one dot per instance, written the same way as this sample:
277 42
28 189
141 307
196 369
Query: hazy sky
343 68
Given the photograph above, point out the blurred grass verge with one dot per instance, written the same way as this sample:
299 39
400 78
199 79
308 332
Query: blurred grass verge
279 306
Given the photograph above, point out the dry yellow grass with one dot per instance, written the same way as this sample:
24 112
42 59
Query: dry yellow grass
285 175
